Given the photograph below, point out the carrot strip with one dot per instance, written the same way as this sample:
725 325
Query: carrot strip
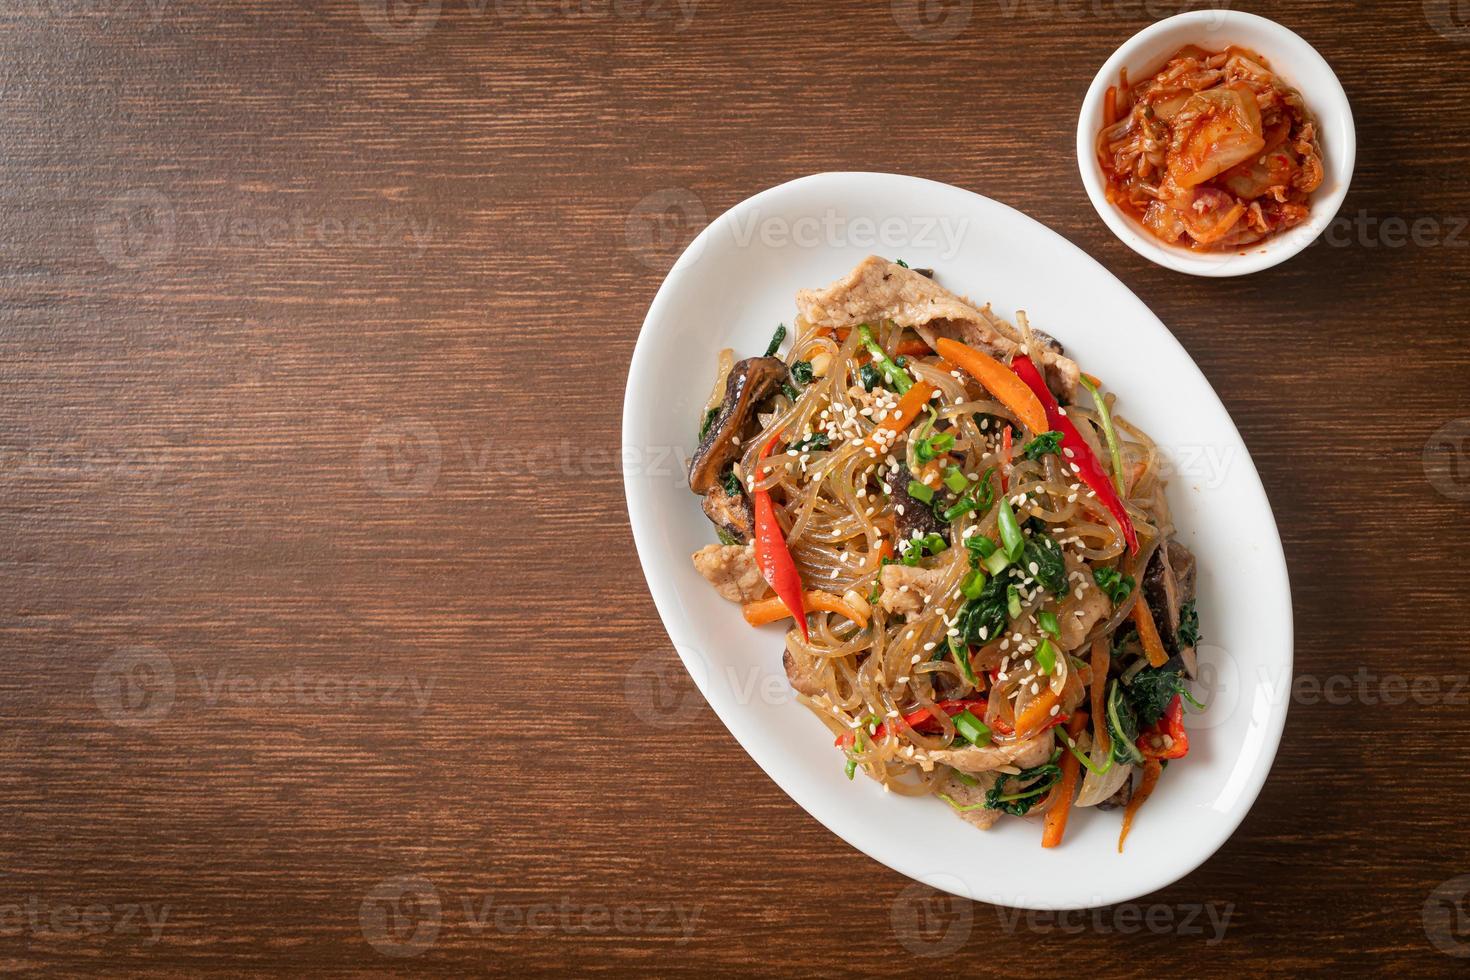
1148 634
1101 658
1056 817
1151 770
1034 719
764 611
909 407
912 348
999 380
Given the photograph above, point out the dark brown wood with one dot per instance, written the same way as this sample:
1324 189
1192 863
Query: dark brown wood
312 323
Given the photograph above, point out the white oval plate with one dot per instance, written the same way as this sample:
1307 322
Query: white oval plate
730 288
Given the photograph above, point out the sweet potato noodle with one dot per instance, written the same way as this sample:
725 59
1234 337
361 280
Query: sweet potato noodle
971 593
1214 152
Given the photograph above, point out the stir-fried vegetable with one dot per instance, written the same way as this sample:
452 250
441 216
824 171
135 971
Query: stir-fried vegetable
998 380
1109 434
1034 783
1043 445
776 340
771 554
1151 770
1113 583
892 373
914 399
1148 634
1122 726
1166 738
923 719
1074 447
763 611
1056 817
1011 541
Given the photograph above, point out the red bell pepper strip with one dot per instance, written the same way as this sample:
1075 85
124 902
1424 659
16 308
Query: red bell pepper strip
924 718
1151 739
1086 463
773 557
1005 459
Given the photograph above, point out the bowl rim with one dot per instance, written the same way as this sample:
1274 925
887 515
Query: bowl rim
1329 105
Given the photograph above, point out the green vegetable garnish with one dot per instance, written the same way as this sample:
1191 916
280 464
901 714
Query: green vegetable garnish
955 480
920 491
1010 532
894 374
1188 633
776 340
983 618
975 731
1122 726
973 585
1042 445
709 418
1041 779
1051 568
1047 620
1115 585
1106 418
818 442
1046 657
996 563
961 655
801 372
731 484
1013 602
1067 741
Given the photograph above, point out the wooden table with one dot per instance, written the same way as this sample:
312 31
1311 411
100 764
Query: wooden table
324 641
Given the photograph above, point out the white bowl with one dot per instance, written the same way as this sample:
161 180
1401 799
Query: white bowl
729 289
1296 61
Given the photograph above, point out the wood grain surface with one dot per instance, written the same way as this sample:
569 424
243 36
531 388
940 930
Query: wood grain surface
324 642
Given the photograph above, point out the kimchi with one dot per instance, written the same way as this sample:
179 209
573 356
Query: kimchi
1214 152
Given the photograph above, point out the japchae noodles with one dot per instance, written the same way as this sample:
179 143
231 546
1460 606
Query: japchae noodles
985 599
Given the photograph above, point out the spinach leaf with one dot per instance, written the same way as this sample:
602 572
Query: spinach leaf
1152 689
1115 585
913 549
726 537
1046 555
983 619
869 377
709 419
1122 726
732 485
776 339
820 441
1188 635
901 262
1042 445
801 372
1034 783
